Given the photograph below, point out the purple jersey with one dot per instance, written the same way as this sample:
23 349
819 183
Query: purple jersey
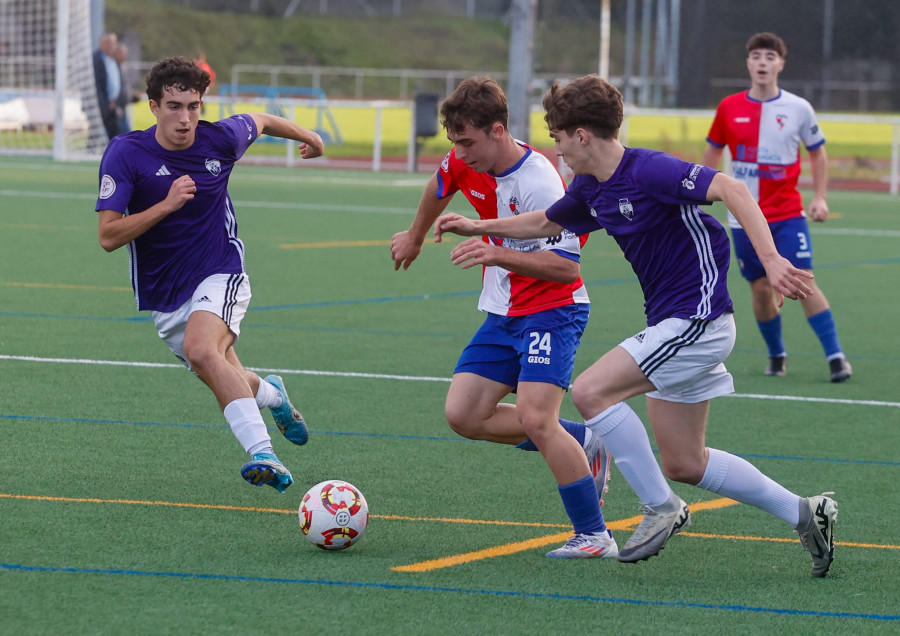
650 207
175 255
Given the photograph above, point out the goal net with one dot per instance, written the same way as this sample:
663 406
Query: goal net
48 99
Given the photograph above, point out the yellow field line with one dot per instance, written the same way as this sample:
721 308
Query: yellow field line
303 246
486 522
521 546
142 503
425 566
62 286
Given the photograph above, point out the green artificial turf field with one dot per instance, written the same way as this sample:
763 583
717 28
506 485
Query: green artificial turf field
123 511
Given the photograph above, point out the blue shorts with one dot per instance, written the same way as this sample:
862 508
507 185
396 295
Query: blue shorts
535 348
791 240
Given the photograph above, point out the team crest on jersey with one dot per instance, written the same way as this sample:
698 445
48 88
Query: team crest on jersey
445 164
626 209
782 120
107 186
513 205
214 167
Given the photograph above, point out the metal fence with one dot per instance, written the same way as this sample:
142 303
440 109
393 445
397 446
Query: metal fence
843 54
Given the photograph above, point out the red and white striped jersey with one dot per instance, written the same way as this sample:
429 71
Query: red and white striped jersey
764 140
532 184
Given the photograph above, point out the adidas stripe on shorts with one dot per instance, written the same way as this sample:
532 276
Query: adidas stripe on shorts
225 295
684 358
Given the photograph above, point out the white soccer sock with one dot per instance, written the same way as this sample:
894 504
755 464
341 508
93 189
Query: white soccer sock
247 424
730 476
626 439
267 396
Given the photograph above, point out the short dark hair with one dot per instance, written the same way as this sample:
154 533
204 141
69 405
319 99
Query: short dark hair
589 102
768 41
180 73
478 102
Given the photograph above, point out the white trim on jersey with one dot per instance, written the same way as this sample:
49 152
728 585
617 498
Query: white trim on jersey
231 230
690 214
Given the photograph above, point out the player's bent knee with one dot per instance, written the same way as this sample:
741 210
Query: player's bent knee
462 422
200 357
587 399
685 473
537 426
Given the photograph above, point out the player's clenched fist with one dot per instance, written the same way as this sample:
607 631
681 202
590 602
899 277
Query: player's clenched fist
182 191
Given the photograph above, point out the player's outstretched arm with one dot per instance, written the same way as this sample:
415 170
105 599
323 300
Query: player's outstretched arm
311 144
786 279
524 226
407 245
545 265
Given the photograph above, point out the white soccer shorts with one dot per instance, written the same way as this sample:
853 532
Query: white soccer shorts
684 358
225 295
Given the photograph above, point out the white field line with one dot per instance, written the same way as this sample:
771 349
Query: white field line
326 207
402 378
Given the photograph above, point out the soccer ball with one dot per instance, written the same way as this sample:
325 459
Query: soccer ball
333 514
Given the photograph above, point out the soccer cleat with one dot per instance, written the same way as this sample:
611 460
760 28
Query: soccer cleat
288 419
264 469
777 366
816 529
587 546
598 459
655 529
840 369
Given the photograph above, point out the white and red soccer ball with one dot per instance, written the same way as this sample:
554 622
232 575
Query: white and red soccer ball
333 514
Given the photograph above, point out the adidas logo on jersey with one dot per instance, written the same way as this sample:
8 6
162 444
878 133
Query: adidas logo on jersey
163 171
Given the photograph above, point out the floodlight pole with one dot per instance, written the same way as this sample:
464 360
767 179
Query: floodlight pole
62 46
604 40
521 55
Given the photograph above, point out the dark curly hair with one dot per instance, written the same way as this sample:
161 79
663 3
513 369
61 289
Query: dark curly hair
179 73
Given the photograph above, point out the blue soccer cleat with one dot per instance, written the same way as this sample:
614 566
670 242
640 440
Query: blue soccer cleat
264 469
288 419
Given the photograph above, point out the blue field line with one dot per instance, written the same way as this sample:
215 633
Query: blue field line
418 297
85 420
12 567
22 314
868 261
428 438
225 427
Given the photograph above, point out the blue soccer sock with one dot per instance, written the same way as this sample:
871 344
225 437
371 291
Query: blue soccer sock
771 333
823 324
575 429
583 506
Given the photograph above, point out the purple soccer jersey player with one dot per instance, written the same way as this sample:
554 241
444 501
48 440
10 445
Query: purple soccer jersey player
170 259
164 194
648 202
691 280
